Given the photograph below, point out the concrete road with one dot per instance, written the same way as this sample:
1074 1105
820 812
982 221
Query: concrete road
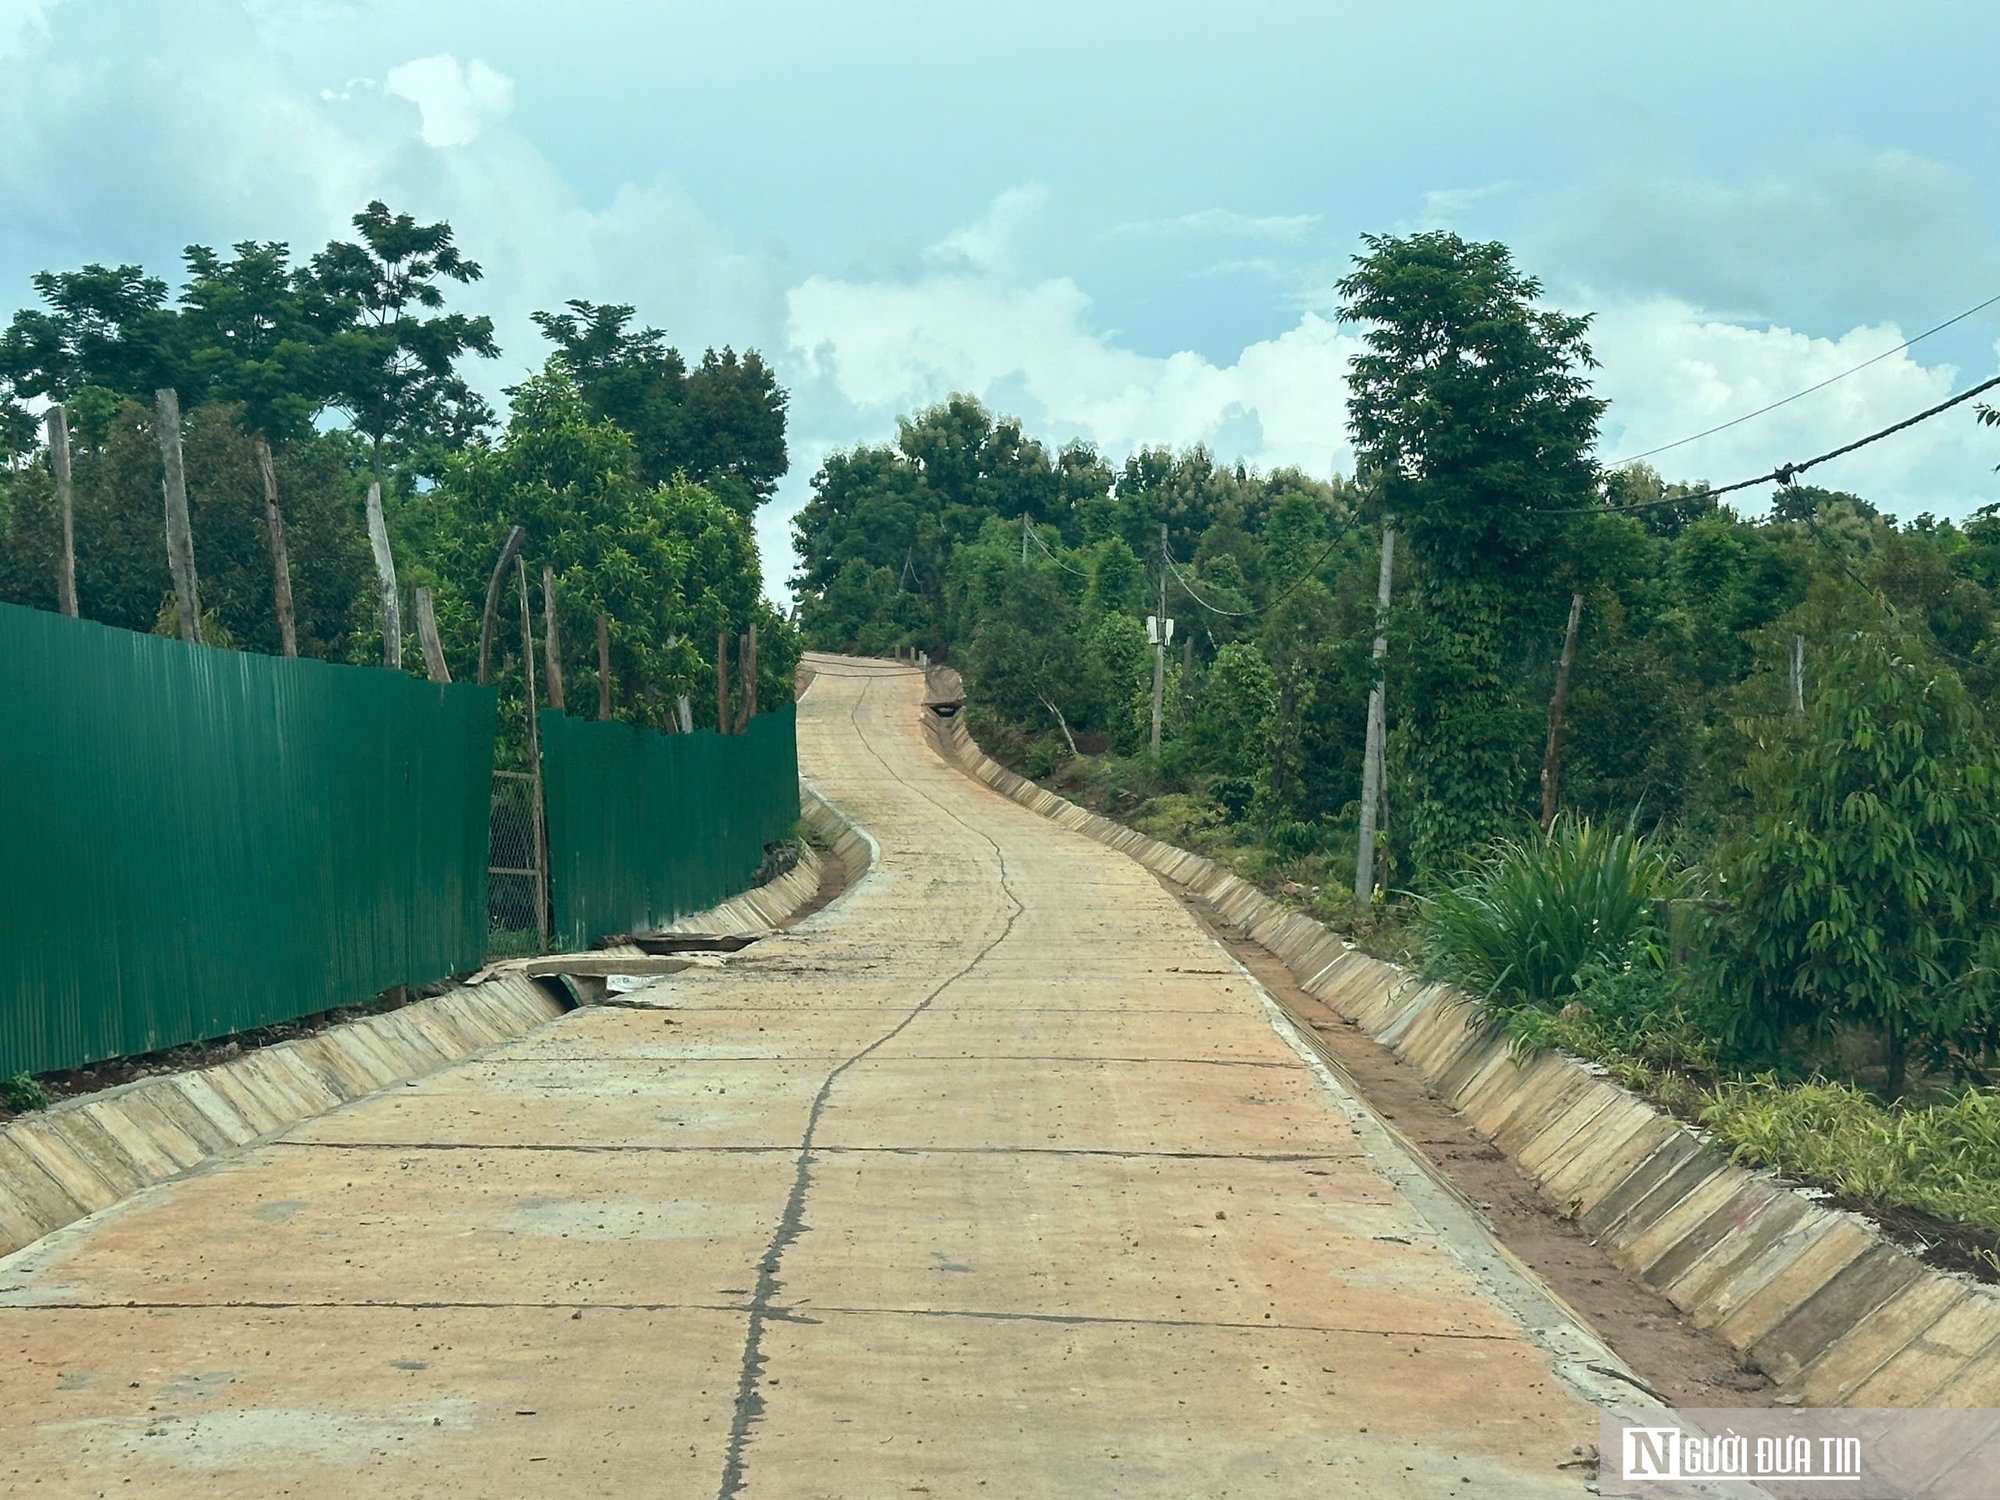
996 1178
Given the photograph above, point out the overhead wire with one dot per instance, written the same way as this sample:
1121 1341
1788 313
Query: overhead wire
1051 555
1181 578
1796 395
1310 569
1783 473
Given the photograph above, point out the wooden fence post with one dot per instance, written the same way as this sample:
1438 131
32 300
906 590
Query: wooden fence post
65 505
385 579
180 536
281 562
514 539
746 673
722 683
427 633
552 640
603 669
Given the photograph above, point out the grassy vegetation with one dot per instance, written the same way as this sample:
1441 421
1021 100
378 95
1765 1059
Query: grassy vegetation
1539 912
1557 939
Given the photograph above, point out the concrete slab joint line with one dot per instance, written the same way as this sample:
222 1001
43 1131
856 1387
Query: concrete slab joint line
1816 1298
89 1154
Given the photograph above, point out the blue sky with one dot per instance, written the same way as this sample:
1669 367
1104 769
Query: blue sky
1119 221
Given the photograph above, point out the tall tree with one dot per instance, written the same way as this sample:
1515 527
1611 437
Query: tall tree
721 424
103 327
392 362
255 334
1473 421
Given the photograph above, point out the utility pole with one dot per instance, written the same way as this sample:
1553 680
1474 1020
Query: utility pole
1024 539
1160 646
1371 760
1798 674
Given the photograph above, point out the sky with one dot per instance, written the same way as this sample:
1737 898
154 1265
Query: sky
1120 222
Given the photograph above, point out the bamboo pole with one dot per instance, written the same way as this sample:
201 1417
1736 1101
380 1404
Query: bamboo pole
66 507
746 675
281 562
551 640
180 535
514 539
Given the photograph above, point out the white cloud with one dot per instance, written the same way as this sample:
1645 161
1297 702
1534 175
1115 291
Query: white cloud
456 103
1286 229
886 347
985 244
1669 371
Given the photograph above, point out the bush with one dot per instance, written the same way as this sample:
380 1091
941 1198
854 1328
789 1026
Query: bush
1292 839
1233 794
1863 891
1537 912
22 1093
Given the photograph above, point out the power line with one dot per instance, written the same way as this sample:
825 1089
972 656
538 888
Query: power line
1212 609
1052 557
1310 569
1784 473
1352 517
1796 395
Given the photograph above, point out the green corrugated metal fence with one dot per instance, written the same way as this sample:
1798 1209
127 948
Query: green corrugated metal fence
647 827
201 841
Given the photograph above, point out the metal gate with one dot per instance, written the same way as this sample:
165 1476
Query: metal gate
517 891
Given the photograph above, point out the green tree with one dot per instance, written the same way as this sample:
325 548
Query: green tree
121 563
1024 662
669 565
1472 418
1239 701
1864 890
391 362
721 424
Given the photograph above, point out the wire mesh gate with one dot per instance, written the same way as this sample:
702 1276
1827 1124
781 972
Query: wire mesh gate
517 891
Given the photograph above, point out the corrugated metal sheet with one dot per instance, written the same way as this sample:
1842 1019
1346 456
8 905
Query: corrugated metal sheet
647 827
200 841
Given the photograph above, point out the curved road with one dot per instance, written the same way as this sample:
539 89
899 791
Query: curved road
996 1178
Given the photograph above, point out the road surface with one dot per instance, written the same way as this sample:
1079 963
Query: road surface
995 1178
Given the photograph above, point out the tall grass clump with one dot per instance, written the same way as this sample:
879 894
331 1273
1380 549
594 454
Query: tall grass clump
1535 913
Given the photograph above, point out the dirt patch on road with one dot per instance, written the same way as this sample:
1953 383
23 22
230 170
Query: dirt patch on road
1647 1331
